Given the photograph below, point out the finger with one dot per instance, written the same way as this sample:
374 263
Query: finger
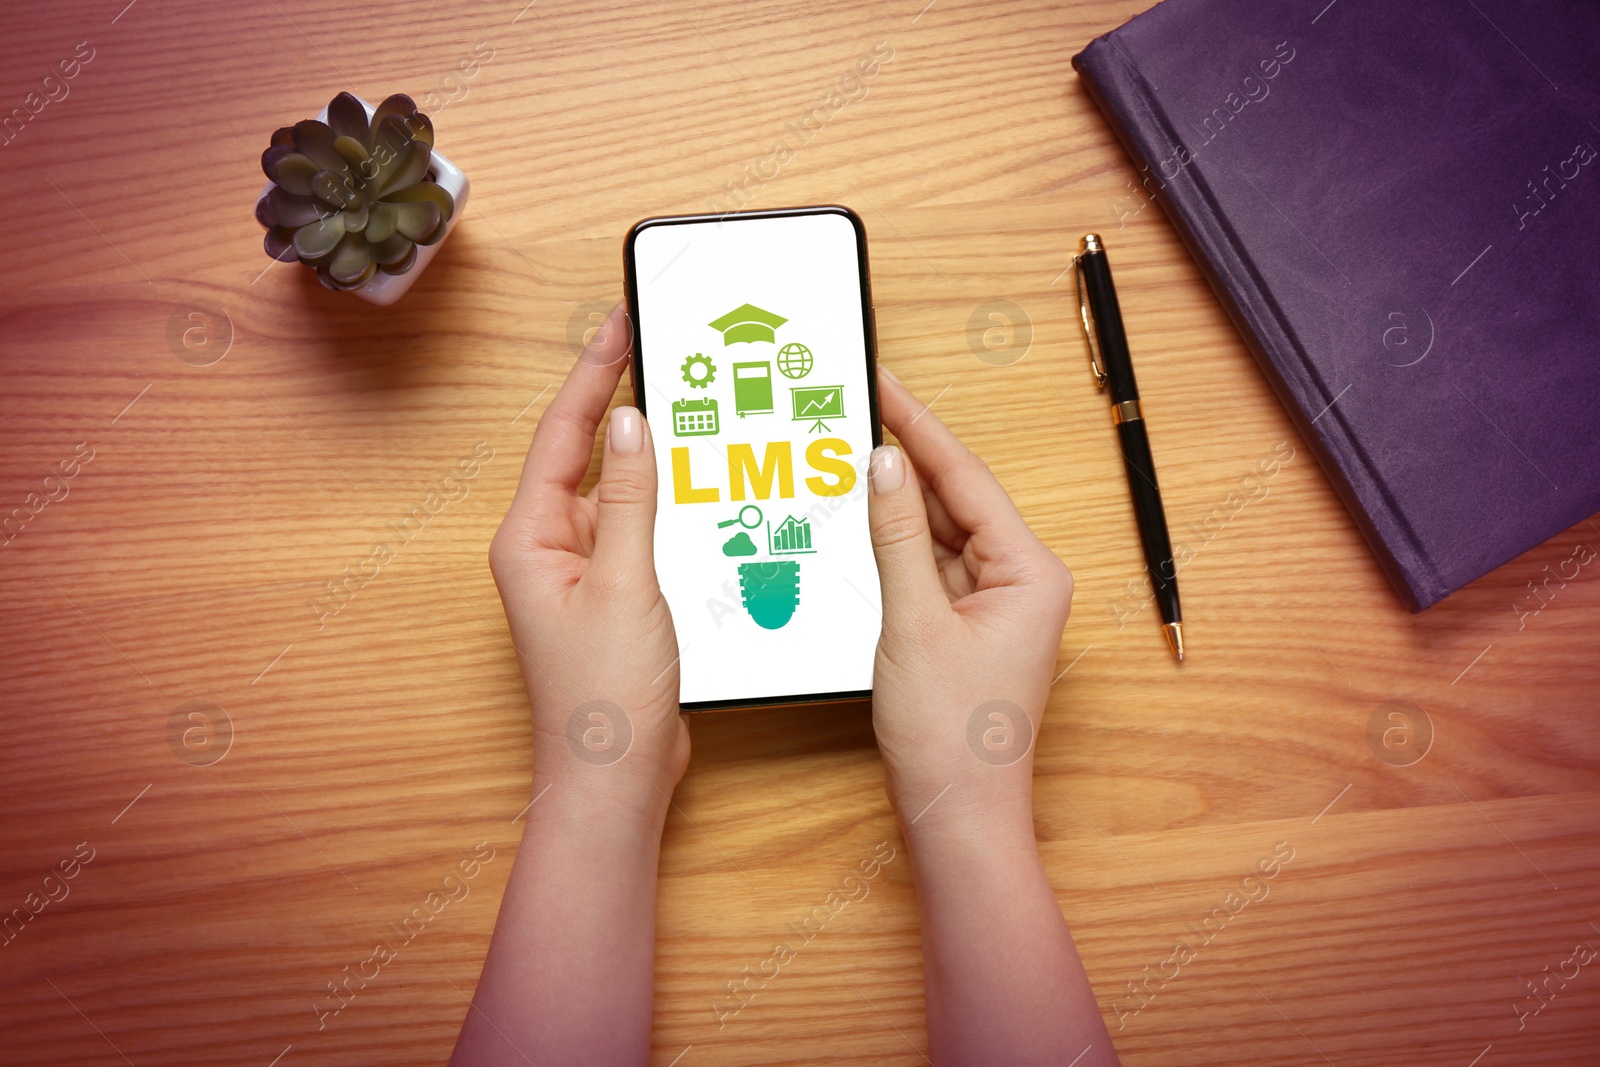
563 443
624 539
900 539
947 536
971 495
945 530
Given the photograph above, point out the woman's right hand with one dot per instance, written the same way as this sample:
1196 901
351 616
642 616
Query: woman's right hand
973 609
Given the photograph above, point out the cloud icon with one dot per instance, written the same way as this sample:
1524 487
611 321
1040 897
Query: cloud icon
739 545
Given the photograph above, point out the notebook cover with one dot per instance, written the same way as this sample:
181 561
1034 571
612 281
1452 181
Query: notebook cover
1399 206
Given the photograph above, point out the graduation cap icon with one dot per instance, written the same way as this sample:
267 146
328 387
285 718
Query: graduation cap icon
748 323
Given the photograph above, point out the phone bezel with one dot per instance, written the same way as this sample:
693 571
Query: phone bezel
869 332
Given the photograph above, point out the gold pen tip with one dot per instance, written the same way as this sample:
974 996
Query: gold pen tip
1091 243
1174 632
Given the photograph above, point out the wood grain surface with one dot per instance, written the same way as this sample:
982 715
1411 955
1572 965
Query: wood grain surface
364 752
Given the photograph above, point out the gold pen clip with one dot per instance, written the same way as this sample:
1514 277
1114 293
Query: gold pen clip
1090 243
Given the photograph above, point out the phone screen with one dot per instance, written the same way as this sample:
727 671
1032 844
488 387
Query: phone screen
754 366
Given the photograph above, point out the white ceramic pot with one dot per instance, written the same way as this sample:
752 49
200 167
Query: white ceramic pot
387 288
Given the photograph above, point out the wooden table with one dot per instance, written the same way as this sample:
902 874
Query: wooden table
363 755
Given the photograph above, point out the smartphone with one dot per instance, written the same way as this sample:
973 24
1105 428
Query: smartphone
754 362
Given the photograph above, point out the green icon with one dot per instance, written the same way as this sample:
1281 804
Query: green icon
816 402
791 538
747 323
749 517
794 360
699 371
770 591
694 418
752 388
739 545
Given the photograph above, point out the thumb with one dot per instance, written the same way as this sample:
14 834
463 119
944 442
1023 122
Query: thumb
624 539
900 538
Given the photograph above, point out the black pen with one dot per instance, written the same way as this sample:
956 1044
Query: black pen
1112 364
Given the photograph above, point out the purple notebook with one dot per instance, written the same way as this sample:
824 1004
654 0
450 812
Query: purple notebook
1399 206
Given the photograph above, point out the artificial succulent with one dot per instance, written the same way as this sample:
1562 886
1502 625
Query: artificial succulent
350 197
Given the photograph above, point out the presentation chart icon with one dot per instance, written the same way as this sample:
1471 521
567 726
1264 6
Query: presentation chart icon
752 388
794 360
694 418
817 402
791 538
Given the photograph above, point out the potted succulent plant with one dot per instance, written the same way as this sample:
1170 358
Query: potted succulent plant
359 195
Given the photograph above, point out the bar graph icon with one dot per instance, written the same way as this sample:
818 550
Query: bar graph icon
791 538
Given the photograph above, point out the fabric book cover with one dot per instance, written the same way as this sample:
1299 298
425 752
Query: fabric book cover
1399 206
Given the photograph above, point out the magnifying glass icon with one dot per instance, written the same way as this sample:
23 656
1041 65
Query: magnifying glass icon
748 524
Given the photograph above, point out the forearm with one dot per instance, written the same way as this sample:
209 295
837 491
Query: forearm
1004 983
570 971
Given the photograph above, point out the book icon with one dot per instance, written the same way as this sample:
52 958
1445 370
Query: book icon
694 418
817 402
752 388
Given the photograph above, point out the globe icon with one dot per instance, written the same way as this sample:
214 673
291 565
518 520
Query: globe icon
794 360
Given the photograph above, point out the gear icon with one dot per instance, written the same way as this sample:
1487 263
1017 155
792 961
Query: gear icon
707 374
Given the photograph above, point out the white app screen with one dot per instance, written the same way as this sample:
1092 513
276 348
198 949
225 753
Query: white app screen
755 375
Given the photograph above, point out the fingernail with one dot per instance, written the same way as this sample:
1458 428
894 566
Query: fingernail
625 433
886 469
887 373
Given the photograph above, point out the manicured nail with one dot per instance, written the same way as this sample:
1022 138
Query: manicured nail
626 430
887 373
886 469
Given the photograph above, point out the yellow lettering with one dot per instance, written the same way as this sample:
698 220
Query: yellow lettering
823 455
779 461
683 490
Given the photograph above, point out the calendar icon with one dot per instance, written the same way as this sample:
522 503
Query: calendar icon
694 418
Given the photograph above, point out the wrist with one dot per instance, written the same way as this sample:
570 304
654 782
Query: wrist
972 859
608 812
608 764
959 821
